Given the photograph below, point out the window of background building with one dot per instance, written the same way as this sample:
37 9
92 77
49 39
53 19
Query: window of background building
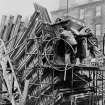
82 13
98 10
98 29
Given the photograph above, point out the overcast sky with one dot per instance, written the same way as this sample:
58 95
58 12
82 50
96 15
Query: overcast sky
25 7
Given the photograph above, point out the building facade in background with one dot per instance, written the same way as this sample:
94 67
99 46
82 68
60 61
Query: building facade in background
91 12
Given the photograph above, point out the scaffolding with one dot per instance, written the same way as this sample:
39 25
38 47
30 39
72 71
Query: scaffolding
40 80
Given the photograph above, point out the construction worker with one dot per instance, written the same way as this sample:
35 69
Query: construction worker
69 37
92 43
81 33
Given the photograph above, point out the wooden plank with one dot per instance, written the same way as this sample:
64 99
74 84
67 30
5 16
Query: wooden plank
14 32
0 85
25 92
2 25
8 29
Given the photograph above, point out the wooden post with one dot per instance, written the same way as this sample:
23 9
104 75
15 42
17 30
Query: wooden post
8 28
86 48
0 86
25 92
104 44
2 25
14 32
